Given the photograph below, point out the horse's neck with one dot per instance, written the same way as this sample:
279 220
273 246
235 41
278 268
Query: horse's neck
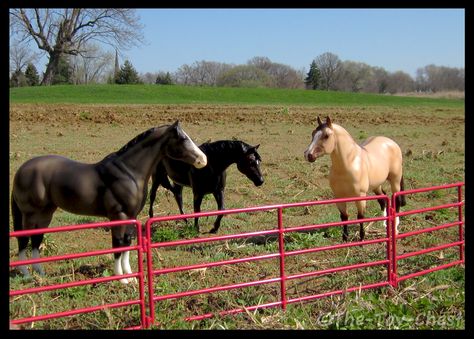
140 160
225 155
345 150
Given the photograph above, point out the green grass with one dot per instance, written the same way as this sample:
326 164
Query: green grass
153 94
433 135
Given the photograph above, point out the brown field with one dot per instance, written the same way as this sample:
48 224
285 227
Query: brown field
432 140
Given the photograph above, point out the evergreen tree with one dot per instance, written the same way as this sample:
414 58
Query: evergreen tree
31 75
164 79
63 74
312 79
127 74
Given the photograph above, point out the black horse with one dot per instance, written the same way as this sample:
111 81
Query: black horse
209 179
115 187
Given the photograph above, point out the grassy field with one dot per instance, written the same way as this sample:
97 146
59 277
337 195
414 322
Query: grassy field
153 94
430 132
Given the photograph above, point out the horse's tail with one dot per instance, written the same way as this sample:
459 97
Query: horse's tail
16 215
403 201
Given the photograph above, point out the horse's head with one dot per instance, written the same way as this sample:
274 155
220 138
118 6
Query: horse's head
181 147
323 141
249 164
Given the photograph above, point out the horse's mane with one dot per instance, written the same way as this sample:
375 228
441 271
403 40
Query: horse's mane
129 144
221 146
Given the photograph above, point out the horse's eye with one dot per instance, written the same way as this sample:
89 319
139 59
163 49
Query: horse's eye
326 136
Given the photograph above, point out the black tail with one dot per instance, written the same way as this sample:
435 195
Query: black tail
16 215
403 202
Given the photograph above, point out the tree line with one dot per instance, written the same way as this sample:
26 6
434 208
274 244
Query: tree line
73 39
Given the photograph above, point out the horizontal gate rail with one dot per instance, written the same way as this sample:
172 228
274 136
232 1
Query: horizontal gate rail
139 275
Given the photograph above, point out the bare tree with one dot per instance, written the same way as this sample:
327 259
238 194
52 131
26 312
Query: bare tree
354 77
283 76
92 65
400 82
201 73
329 66
20 56
66 31
436 78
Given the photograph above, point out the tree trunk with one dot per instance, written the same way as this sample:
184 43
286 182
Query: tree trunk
51 69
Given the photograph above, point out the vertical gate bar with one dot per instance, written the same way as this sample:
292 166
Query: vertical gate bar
389 245
461 233
141 286
149 262
281 243
393 215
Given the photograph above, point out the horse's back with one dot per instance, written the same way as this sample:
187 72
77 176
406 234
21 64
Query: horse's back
385 158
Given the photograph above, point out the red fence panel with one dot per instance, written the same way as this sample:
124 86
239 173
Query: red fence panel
147 273
458 223
279 230
139 275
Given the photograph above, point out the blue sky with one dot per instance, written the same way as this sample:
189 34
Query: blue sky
395 39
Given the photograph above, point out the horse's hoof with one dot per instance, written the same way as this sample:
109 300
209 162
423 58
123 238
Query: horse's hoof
124 281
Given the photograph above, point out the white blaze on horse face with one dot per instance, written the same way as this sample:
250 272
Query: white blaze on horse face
312 145
201 159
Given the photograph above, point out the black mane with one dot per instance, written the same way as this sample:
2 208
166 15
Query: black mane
135 141
234 146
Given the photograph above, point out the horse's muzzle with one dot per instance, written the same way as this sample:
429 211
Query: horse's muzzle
200 161
310 157
259 182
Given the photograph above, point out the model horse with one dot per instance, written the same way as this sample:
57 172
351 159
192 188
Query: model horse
115 187
210 179
357 169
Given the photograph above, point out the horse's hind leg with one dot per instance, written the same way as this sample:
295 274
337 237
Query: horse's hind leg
38 220
379 191
22 245
396 186
36 241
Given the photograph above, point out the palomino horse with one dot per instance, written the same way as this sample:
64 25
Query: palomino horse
115 187
210 179
357 169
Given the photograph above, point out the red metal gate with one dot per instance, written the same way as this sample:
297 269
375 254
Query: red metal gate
140 275
145 246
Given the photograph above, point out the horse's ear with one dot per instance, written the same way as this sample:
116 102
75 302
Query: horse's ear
319 121
175 124
328 122
256 147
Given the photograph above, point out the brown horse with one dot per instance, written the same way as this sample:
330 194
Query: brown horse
115 187
357 169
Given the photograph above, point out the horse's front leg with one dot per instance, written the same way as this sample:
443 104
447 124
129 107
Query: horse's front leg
197 208
219 196
361 204
122 237
344 217
178 196
154 187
